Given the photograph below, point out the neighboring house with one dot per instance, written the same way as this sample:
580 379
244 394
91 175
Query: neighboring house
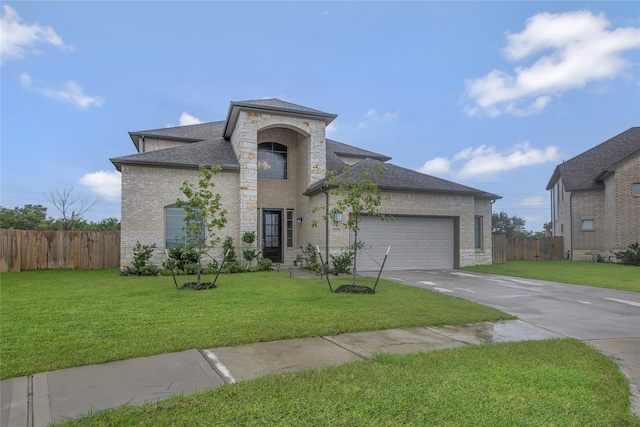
595 198
274 156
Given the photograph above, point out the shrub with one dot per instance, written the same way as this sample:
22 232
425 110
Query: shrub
309 254
227 245
141 255
264 264
183 256
316 267
631 256
342 263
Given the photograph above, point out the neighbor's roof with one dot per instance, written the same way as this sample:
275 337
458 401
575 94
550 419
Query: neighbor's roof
586 171
396 178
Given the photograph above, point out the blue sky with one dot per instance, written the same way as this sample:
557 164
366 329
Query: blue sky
488 94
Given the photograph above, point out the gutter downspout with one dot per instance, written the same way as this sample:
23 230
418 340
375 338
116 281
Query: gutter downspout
571 224
326 226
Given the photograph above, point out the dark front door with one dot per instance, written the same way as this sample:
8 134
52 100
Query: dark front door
271 235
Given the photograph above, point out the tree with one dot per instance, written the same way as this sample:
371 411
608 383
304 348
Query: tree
28 217
203 213
357 195
511 226
72 207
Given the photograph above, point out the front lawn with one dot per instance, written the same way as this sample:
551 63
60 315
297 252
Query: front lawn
534 383
53 319
602 275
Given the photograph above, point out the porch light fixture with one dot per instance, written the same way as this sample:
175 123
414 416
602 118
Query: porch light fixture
337 217
299 220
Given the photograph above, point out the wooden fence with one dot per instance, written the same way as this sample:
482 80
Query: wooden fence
526 248
43 249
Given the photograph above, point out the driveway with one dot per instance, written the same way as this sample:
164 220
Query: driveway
606 319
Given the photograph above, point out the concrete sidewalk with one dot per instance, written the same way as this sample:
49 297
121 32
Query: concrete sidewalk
47 397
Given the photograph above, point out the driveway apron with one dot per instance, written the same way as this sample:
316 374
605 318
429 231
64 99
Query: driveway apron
606 319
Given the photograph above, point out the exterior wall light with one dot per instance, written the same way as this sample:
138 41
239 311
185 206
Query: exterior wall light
337 217
299 220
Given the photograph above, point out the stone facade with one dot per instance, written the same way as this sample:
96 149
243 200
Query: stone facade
148 189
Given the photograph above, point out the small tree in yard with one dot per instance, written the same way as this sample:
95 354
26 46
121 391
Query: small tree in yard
358 195
203 213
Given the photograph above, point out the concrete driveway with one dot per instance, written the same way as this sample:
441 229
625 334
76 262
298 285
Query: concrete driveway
606 319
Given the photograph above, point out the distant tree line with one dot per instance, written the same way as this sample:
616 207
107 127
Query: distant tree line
34 217
511 226
71 207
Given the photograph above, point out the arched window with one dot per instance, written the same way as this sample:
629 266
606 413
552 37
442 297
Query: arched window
272 160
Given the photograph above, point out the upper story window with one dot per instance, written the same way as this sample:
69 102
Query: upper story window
272 160
587 225
636 188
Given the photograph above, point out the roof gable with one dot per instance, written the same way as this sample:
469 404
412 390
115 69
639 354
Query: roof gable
272 105
583 172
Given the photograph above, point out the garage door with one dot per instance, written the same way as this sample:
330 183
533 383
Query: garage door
416 243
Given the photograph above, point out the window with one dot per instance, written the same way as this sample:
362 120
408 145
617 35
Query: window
636 188
477 228
272 160
289 228
587 225
174 233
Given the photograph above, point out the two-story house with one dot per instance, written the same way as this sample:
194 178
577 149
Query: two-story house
595 198
274 157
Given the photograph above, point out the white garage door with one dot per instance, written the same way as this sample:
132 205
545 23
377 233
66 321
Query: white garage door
416 243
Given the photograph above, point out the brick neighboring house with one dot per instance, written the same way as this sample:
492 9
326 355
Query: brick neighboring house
595 198
274 156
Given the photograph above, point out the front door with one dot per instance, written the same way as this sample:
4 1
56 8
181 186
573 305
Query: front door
271 235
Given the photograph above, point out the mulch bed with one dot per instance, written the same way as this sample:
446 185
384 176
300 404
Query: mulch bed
354 289
202 286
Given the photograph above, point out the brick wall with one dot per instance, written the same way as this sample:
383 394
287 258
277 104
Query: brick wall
146 191
587 205
627 205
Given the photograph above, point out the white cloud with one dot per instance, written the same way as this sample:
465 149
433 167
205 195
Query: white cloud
439 165
331 128
17 39
486 161
374 118
103 183
532 201
188 119
579 49
71 93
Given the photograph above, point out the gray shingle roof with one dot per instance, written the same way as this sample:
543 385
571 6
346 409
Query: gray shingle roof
197 132
396 178
206 145
276 104
583 171
209 152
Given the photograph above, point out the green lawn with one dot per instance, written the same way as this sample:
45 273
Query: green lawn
534 383
602 275
53 319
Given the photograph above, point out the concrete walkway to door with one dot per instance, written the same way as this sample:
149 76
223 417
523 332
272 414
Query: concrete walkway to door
606 319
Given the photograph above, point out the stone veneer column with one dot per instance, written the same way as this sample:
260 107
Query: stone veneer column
244 141
317 151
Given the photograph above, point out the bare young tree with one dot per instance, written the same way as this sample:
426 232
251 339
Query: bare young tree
71 206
